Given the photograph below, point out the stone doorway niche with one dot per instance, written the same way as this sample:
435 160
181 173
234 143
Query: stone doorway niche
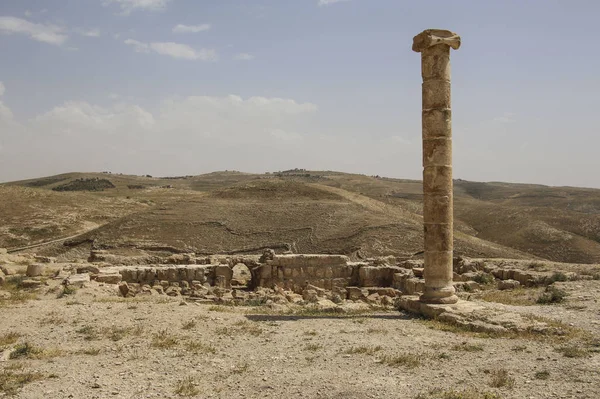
241 276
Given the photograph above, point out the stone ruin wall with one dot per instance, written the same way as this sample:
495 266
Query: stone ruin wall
201 277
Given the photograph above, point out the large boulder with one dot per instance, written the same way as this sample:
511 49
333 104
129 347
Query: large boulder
35 270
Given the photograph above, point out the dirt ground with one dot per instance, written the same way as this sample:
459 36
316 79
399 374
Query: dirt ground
93 344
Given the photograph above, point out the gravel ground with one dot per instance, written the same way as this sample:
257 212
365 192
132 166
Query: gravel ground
93 344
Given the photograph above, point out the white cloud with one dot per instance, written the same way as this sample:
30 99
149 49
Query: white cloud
28 13
175 50
138 46
244 57
188 132
88 32
128 6
191 28
329 2
50 34
2 89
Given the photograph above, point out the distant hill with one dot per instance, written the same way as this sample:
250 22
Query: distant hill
297 210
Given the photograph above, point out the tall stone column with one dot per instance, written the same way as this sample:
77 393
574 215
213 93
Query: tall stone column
434 46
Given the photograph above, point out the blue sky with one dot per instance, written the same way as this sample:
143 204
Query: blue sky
171 87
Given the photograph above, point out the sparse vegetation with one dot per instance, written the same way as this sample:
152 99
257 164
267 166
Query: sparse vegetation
196 348
408 360
500 378
164 340
187 387
9 338
469 393
12 381
551 295
26 350
66 290
467 347
518 296
313 347
542 375
188 325
363 350
85 184
573 351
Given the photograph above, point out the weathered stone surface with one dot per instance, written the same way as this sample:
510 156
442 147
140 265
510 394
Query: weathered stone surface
124 289
88 269
310 296
2 277
356 293
30 283
109 278
77 280
44 259
508 284
434 46
35 270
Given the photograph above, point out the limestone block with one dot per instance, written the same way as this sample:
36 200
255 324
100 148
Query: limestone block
88 269
356 293
310 296
172 274
35 270
109 278
77 280
44 259
508 284
29 283
413 286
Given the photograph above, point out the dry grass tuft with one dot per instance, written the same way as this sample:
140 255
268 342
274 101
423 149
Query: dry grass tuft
500 378
186 387
29 351
198 348
408 360
164 340
188 325
516 297
466 347
313 347
469 393
9 338
363 350
573 351
12 381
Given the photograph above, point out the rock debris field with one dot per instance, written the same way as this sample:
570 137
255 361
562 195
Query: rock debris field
62 341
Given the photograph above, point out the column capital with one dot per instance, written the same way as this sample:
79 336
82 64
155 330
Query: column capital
433 37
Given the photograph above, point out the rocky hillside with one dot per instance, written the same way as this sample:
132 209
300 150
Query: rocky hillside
298 210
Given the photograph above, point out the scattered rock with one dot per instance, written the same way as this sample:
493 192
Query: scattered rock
508 284
77 280
35 270
30 283
124 289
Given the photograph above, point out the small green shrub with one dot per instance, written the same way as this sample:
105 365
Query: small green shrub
552 294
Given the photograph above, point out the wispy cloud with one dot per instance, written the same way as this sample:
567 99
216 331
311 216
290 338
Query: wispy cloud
244 57
128 6
329 2
2 89
28 13
180 28
88 32
175 50
50 34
